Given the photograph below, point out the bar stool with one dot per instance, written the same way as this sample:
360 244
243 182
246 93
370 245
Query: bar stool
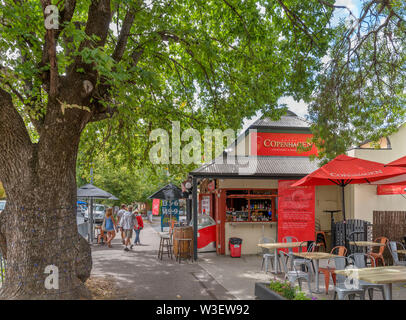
181 245
165 245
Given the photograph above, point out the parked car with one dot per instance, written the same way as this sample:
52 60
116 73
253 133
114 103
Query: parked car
98 213
2 205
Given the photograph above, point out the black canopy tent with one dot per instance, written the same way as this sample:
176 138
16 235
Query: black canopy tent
91 192
168 192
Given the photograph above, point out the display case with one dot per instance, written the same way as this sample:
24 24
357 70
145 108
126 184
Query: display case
251 206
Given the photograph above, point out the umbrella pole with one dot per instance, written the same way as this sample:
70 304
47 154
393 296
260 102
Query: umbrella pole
344 219
91 220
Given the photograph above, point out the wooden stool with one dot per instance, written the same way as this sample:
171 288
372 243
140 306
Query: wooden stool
165 246
181 245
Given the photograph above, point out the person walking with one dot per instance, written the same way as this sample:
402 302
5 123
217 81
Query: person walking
128 222
109 225
120 214
138 228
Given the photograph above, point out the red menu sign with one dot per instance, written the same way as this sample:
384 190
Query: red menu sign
155 206
390 189
282 144
296 211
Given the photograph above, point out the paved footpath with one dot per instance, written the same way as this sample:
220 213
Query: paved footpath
140 275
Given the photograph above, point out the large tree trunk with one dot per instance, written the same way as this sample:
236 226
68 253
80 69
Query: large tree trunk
38 226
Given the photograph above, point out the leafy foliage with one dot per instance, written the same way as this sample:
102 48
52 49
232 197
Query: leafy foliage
206 63
361 92
286 290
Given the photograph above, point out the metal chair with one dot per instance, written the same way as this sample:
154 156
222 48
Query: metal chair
300 262
341 289
360 262
327 271
295 274
266 255
379 255
393 248
292 257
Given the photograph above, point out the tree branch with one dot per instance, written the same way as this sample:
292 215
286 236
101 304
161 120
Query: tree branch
123 37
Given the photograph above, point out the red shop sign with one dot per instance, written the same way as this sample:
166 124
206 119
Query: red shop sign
282 144
296 211
390 189
155 206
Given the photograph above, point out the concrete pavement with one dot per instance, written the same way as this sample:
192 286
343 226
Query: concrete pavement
140 275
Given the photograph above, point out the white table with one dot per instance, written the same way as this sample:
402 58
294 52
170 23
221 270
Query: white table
380 275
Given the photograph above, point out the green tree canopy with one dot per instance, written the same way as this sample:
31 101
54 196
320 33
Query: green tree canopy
361 91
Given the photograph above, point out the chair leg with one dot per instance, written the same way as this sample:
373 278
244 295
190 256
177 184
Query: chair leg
383 293
335 295
333 276
326 279
300 283
371 293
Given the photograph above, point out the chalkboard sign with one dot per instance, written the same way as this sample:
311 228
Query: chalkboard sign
169 212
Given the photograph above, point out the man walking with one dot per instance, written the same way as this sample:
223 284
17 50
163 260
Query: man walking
128 222
120 214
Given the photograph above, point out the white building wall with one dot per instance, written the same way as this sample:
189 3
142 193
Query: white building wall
362 200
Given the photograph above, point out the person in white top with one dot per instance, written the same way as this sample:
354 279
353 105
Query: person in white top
128 222
120 213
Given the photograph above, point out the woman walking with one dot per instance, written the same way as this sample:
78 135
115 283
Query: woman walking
109 226
138 228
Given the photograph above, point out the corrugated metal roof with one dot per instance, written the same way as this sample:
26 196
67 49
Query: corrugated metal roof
265 166
288 120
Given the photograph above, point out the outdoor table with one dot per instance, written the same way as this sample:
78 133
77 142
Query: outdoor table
316 256
281 245
367 244
379 275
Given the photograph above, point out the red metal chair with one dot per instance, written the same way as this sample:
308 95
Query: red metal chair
340 251
379 255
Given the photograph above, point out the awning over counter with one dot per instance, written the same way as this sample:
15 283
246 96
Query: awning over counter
266 166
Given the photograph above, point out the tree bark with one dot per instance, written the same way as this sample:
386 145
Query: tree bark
38 226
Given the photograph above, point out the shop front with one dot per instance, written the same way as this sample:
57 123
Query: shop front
262 204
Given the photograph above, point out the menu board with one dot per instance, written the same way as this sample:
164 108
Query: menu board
296 211
169 212
206 205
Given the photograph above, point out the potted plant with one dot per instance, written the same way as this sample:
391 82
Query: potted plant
279 290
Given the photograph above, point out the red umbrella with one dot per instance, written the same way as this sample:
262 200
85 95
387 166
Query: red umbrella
398 180
344 170
397 163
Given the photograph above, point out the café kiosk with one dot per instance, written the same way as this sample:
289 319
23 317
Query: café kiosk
262 203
